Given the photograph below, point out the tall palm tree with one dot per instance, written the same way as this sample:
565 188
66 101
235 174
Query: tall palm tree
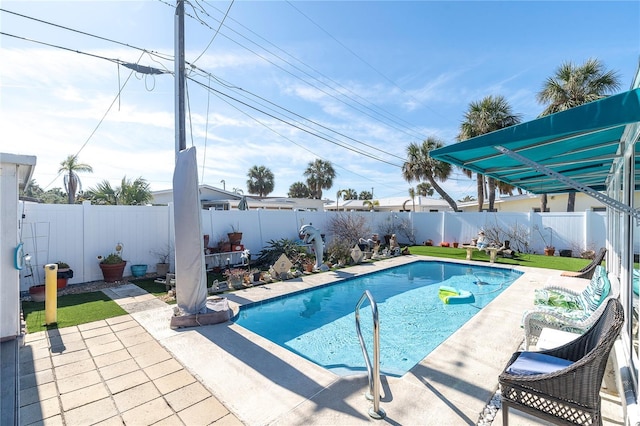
320 175
490 114
261 181
420 165
574 85
72 182
298 190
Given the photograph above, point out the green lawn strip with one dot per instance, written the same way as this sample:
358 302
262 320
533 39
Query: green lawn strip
72 309
530 260
157 289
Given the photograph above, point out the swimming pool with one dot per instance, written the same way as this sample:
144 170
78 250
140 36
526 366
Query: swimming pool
319 324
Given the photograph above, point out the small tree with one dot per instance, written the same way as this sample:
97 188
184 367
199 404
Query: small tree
348 228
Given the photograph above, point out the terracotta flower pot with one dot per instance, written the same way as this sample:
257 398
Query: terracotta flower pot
113 272
37 293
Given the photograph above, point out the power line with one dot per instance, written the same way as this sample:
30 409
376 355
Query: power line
219 96
359 57
295 125
214 34
395 124
151 52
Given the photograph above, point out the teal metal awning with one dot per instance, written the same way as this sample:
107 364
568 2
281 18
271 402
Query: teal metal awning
580 144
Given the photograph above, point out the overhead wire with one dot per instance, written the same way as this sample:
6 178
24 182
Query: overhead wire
382 111
214 34
225 84
151 52
219 95
117 97
299 127
361 109
360 58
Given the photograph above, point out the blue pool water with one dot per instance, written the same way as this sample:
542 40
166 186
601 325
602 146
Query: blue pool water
319 324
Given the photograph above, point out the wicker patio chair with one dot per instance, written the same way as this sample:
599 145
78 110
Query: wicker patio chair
587 271
571 394
574 321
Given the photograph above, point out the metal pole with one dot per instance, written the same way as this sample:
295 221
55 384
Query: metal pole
179 78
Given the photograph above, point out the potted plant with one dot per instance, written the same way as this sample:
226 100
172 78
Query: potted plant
549 249
138 270
235 236
64 273
235 277
162 267
113 266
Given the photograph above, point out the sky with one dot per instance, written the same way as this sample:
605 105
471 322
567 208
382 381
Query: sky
282 83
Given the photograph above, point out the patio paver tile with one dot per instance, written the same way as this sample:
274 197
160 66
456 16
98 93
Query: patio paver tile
106 348
69 357
187 396
149 412
92 325
100 340
204 412
173 420
130 398
111 357
173 381
91 413
78 381
68 347
32 366
38 393
114 370
36 379
39 410
119 319
68 370
97 331
126 381
162 368
76 398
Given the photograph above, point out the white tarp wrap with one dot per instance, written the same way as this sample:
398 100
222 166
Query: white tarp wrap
191 278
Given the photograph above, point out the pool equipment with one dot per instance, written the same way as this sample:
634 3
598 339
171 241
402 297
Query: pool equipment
453 296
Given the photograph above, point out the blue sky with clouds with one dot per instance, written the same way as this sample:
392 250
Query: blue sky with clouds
350 82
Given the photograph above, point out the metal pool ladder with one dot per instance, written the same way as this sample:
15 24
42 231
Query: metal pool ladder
373 372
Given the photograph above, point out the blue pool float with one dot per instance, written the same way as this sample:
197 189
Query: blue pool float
453 296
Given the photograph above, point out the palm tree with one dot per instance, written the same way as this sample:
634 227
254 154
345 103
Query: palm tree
372 204
298 190
128 193
340 194
420 165
574 85
365 195
320 175
72 182
489 114
261 181
424 189
134 193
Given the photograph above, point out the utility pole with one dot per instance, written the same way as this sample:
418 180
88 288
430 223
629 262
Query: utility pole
179 78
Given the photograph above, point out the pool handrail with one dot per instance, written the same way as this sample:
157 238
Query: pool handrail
372 372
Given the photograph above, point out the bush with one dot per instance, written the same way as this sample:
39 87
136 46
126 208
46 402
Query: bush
275 248
339 251
348 229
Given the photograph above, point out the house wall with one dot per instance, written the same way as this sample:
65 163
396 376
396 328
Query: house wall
77 234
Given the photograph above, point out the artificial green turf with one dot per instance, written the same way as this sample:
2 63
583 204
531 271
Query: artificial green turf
530 260
73 309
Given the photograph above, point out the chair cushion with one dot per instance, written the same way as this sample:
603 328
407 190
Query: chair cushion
556 299
530 363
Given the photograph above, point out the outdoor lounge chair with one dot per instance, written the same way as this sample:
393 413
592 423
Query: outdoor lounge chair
587 271
571 320
562 385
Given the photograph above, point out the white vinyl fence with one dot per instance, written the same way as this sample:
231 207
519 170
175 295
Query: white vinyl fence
77 234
